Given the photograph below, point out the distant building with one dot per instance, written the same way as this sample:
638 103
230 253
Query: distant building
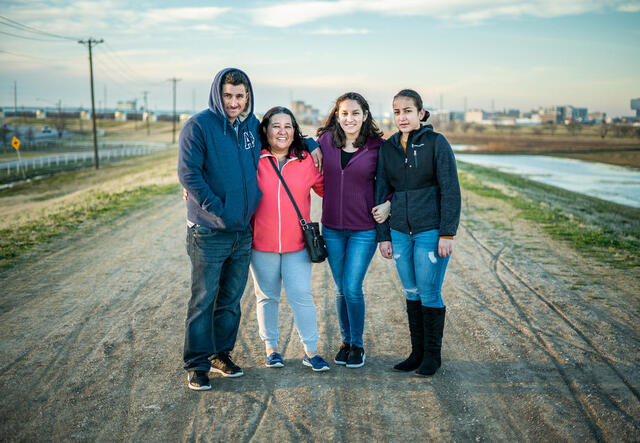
127 105
476 116
597 117
305 113
635 105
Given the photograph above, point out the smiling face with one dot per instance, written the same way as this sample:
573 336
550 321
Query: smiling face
234 99
406 115
350 117
280 134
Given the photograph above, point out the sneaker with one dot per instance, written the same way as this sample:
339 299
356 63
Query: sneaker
342 355
198 381
222 364
356 357
273 360
317 363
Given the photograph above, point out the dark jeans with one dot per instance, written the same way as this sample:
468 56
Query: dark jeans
219 270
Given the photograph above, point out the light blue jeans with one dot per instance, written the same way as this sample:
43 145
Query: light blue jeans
269 271
420 268
350 253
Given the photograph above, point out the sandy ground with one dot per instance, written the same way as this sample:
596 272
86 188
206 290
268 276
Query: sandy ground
540 344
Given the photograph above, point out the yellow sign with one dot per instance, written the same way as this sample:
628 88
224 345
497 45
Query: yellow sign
15 143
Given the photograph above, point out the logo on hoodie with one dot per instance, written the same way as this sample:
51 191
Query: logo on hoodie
249 140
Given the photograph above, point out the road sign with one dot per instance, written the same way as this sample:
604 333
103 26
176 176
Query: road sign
15 142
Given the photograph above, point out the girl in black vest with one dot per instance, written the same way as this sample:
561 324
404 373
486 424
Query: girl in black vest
417 168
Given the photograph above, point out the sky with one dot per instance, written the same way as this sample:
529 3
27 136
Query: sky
503 54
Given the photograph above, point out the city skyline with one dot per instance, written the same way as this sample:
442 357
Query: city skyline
501 54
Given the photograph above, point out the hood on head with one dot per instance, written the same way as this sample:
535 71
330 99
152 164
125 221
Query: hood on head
215 96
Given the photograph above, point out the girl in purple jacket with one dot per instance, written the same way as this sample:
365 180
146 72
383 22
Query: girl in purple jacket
349 140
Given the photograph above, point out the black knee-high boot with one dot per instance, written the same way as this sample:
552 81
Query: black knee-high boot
416 331
433 321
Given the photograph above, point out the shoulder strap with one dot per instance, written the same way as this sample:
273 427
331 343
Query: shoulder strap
302 220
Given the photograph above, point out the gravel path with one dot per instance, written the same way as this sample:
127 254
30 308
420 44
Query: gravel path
539 344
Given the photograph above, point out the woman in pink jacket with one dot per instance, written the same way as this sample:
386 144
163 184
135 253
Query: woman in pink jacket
278 253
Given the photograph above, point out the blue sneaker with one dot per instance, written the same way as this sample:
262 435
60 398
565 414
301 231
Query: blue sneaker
274 360
316 363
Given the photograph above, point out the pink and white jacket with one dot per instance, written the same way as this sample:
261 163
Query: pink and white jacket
276 227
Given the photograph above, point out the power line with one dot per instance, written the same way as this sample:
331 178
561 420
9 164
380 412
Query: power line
30 38
27 28
121 71
38 58
128 67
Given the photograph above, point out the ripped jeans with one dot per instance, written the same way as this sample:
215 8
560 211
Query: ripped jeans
420 268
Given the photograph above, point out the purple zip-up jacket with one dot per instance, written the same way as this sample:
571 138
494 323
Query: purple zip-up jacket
348 194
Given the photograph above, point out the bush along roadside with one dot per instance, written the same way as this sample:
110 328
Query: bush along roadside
541 204
95 206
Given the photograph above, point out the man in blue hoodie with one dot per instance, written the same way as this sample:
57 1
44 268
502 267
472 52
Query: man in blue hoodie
217 163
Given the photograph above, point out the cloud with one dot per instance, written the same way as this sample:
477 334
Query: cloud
339 32
83 18
173 15
461 11
630 7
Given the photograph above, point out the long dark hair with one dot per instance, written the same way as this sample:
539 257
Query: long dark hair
368 130
298 146
417 100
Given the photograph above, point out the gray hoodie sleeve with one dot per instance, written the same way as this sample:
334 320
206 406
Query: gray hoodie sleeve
191 152
450 200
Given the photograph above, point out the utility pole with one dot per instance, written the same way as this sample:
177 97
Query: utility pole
15 98
89 42
146 110
174 80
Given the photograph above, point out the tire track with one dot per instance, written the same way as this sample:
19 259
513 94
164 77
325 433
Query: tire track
586 408
557 310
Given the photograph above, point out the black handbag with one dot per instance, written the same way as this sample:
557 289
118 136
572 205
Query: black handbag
310 231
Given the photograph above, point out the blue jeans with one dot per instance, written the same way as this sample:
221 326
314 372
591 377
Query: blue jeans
350 253
219 271
420 268
270 270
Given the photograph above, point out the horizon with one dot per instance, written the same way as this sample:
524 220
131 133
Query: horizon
489 55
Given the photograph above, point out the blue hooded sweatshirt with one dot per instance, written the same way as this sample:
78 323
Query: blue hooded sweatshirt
218 167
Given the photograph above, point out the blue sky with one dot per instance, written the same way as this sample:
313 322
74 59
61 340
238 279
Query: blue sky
512 53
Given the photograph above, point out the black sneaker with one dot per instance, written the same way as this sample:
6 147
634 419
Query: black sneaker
223 365
198 381
356 357
342 355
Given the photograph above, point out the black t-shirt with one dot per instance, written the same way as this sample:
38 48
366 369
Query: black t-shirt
345 157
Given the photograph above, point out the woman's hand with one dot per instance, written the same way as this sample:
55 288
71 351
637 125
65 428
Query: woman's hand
386 249
381 212
316 155
445 247
185 194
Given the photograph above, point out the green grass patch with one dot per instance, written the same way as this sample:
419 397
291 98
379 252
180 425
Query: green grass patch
609 232
97 205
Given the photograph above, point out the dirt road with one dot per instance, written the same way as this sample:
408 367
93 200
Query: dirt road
540 343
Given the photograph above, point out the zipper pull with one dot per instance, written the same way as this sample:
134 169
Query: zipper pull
415 158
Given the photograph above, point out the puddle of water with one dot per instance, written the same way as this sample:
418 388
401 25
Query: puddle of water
616 184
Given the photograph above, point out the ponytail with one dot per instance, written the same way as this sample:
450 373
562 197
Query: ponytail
417 100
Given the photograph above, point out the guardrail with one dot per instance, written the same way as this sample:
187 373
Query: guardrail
55 161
